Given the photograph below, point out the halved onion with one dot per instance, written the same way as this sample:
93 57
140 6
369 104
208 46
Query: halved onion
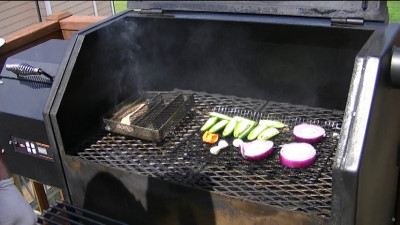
256 150
308 132
297 155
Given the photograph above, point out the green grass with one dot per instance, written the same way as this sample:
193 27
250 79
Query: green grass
394 11
393 6
120 6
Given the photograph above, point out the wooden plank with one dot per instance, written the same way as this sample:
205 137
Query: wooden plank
29 34
78 22
75 7
17 183
58 16
21 11
40 195
7 5
18 26
67 34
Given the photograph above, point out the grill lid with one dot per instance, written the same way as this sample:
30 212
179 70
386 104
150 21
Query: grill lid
366 10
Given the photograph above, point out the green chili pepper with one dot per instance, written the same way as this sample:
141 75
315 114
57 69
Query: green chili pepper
218 126
268 133
220 116
272 123
210 122
256 131
243 128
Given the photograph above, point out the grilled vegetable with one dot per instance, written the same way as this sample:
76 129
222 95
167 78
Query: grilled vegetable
297 155
210 138
220 116
230 126
256 131
243 128
272 123
210 122
256 150
308 132
221 145
268 133
219 126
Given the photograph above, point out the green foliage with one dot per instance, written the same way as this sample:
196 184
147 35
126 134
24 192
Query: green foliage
120 6
394 11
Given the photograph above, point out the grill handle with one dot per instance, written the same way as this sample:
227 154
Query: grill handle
395 68
23 69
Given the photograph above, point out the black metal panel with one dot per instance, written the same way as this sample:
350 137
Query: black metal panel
21 116
369 10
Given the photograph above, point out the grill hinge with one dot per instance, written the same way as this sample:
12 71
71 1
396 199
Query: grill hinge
347 21
151 11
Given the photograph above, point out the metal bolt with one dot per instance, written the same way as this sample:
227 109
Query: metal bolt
10 142
1 82
2 150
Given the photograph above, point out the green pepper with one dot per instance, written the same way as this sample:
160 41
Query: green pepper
230 126
243 128
218 126
210 122
268 133
220 116
272 123
256 131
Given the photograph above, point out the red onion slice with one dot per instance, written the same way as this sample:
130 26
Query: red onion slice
256 150
308 132
297 155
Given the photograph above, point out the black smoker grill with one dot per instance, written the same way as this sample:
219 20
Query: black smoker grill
329 63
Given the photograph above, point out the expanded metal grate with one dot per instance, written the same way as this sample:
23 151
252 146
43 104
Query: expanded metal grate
183 158
66 214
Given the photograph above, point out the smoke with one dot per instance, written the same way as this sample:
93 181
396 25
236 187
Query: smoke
265 61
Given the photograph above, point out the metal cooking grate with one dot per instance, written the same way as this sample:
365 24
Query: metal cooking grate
66 214
183 158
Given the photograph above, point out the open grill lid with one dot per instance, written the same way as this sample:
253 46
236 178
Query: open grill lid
362 10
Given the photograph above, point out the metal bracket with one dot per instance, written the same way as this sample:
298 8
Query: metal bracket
151 11
347 21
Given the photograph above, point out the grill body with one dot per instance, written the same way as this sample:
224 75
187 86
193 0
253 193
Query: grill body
296 70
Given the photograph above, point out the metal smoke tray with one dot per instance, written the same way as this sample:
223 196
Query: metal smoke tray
151 117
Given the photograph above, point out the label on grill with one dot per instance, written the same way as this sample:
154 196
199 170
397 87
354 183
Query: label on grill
32 148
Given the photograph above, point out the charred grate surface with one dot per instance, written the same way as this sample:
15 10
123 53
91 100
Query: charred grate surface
183 158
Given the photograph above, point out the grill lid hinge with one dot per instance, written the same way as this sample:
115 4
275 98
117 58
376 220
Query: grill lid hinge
152 11
347 21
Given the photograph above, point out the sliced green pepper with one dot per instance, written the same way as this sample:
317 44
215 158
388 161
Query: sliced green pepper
230 127
243 128
256 131
272 123
210 122
268 133
220 116
218 126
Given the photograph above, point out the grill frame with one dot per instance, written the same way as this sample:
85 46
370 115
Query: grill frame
347 192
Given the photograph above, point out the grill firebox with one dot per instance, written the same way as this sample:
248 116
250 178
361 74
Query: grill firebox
184 159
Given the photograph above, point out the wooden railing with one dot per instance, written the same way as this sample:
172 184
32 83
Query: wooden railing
59 25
